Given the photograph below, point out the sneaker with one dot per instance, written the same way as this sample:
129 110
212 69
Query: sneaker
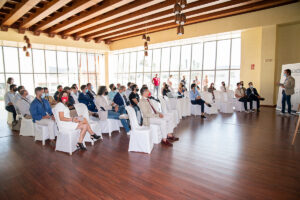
128 133
281 113
252 110
124 116
247 111
208 105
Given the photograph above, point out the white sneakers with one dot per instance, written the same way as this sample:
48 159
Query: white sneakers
124 116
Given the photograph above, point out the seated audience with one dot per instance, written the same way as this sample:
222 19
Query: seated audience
9 82
196 99
151 116
183 81
90 92
59 89
165 90
41 113
49 98
118 86
241 95
120 98
223 87
242 84
253 96
211 90
18 97
134 99
23 104
181 90
113 92
73 123
75 93
128 90
110 111
9 101
86 99
71 100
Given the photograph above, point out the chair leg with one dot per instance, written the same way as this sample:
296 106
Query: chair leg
43 142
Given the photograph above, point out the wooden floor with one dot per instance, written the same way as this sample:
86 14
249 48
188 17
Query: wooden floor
238 156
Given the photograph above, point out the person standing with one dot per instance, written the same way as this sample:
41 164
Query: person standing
156 83
288 89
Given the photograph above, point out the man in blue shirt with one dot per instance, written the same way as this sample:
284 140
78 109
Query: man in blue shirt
113 92
196 99
86 99
41 113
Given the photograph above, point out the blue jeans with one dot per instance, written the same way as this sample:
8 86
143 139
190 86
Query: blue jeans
156 89
286 98
115 115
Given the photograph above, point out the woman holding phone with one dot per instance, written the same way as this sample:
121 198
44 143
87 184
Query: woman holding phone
73 123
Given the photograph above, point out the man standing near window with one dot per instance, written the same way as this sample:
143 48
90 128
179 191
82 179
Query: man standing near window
156 83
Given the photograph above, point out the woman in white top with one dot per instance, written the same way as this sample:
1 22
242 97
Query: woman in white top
9 82
71 123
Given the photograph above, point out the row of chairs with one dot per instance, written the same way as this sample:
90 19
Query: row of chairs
66 140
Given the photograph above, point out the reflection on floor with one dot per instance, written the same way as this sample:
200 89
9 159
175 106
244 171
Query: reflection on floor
238 156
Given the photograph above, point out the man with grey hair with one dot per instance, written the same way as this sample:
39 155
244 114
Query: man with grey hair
120 98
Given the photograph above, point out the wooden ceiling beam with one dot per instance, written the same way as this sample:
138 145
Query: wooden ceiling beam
42 13
77 7
160 7
2 2
95 11
163 17
220 14
20 10
126 9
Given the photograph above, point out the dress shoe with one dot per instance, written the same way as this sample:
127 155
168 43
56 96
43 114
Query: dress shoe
203 117
208 105
167 143
173 138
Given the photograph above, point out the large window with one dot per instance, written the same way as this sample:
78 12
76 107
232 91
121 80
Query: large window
213 59
49 68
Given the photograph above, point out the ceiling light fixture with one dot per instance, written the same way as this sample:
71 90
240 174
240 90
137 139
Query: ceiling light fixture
177 9
180 30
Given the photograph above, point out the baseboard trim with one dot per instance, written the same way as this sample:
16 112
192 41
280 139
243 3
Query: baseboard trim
270 106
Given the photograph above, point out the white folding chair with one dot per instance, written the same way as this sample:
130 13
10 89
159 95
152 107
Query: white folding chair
208 97
82 110
140 136
66 140
41 133
26 128
165 110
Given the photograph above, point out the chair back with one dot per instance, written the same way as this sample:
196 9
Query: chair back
132 118
163 105
156 105
57 119
82 110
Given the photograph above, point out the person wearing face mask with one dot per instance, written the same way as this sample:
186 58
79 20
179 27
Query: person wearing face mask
288 89
197 100
86 99
242 86
134 99
120 98
71 101
90 92
223 87
211 89
241 96
9 101
59 89
107 110
113 92
49 98
253 96
23 104
75 93
68 123
41 113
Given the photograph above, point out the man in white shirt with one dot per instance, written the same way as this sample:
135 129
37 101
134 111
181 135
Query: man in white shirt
152 116
75 94
128 91
241 96
9 101
18 97
23 104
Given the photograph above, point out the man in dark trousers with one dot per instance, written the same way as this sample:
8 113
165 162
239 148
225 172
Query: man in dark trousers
253 96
